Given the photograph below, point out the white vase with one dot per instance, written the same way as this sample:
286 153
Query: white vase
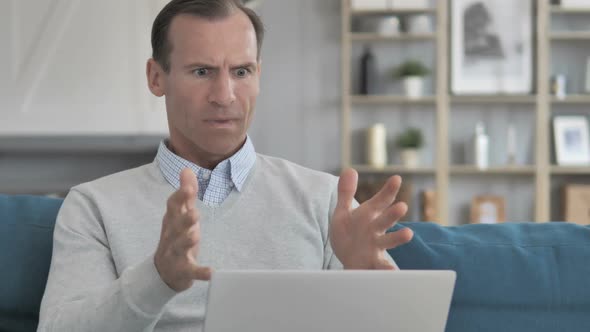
419 24
377 146
388 26
413 86
410 157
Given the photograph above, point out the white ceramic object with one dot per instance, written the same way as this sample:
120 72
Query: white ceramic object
413 86
388 26
481 147
377 145
419 24
410 157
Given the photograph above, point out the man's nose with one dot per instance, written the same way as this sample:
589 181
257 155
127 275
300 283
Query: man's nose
222 93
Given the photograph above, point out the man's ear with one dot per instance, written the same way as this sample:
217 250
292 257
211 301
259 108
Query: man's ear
155 77
259 66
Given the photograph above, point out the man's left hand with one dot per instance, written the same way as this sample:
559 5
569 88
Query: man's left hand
358 235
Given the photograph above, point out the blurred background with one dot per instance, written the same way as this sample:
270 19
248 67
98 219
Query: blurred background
480 105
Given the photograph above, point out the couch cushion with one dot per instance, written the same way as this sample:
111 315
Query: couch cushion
510 276
26 237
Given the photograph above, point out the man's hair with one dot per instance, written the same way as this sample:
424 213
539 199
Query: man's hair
208 9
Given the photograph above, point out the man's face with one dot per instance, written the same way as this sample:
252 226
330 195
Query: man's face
212 85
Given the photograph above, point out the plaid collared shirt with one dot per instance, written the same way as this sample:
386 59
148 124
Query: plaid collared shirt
214 185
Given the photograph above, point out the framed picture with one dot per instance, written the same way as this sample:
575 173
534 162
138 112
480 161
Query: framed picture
575 4
487 209
576 203
571 140
492 46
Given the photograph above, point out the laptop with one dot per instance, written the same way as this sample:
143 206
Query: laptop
342 301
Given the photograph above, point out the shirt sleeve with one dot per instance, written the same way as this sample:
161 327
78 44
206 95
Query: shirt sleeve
84 291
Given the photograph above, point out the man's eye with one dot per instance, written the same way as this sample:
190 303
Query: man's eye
201 71
242 72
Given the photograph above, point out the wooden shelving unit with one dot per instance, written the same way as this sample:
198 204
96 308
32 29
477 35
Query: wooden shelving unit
541 104
570 170
394 169
572 99
391 99
500 99
571 35
561 10
374 37
495 170
384 12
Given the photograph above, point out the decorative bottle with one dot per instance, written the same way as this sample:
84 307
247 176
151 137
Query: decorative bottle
481 146
368 74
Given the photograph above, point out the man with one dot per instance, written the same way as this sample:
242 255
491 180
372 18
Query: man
118 265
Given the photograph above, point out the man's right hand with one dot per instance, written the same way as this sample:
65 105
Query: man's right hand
176 256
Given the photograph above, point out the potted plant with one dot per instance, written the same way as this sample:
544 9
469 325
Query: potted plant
412 73
409 142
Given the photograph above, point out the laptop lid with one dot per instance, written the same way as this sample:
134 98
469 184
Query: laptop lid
343 301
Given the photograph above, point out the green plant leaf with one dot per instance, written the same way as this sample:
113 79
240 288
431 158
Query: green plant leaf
411 138
410 68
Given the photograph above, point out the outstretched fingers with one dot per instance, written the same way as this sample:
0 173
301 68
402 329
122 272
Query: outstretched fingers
347 185
386 196
395 239
390 216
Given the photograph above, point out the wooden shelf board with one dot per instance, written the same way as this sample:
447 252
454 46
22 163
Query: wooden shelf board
495 170
566 10
398 11
390 99
573 170
494 99
358 36
570 35
394 169
572 99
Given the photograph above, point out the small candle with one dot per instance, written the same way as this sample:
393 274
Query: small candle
376 145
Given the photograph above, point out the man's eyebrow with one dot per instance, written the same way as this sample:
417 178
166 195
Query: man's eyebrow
209 66
247 64
199 65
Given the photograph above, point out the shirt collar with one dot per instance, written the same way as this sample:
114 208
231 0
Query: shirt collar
240 164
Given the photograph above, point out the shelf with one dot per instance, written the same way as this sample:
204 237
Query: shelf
494 99
393 169
495 170
399 11
570 35
566 10
572 99
78 144
357 36
443 103
391 99
573 170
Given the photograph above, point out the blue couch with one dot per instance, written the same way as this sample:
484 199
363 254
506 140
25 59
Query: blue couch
510 277
26 240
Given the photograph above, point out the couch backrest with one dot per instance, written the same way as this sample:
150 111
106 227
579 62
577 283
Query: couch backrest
26 238
510 276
